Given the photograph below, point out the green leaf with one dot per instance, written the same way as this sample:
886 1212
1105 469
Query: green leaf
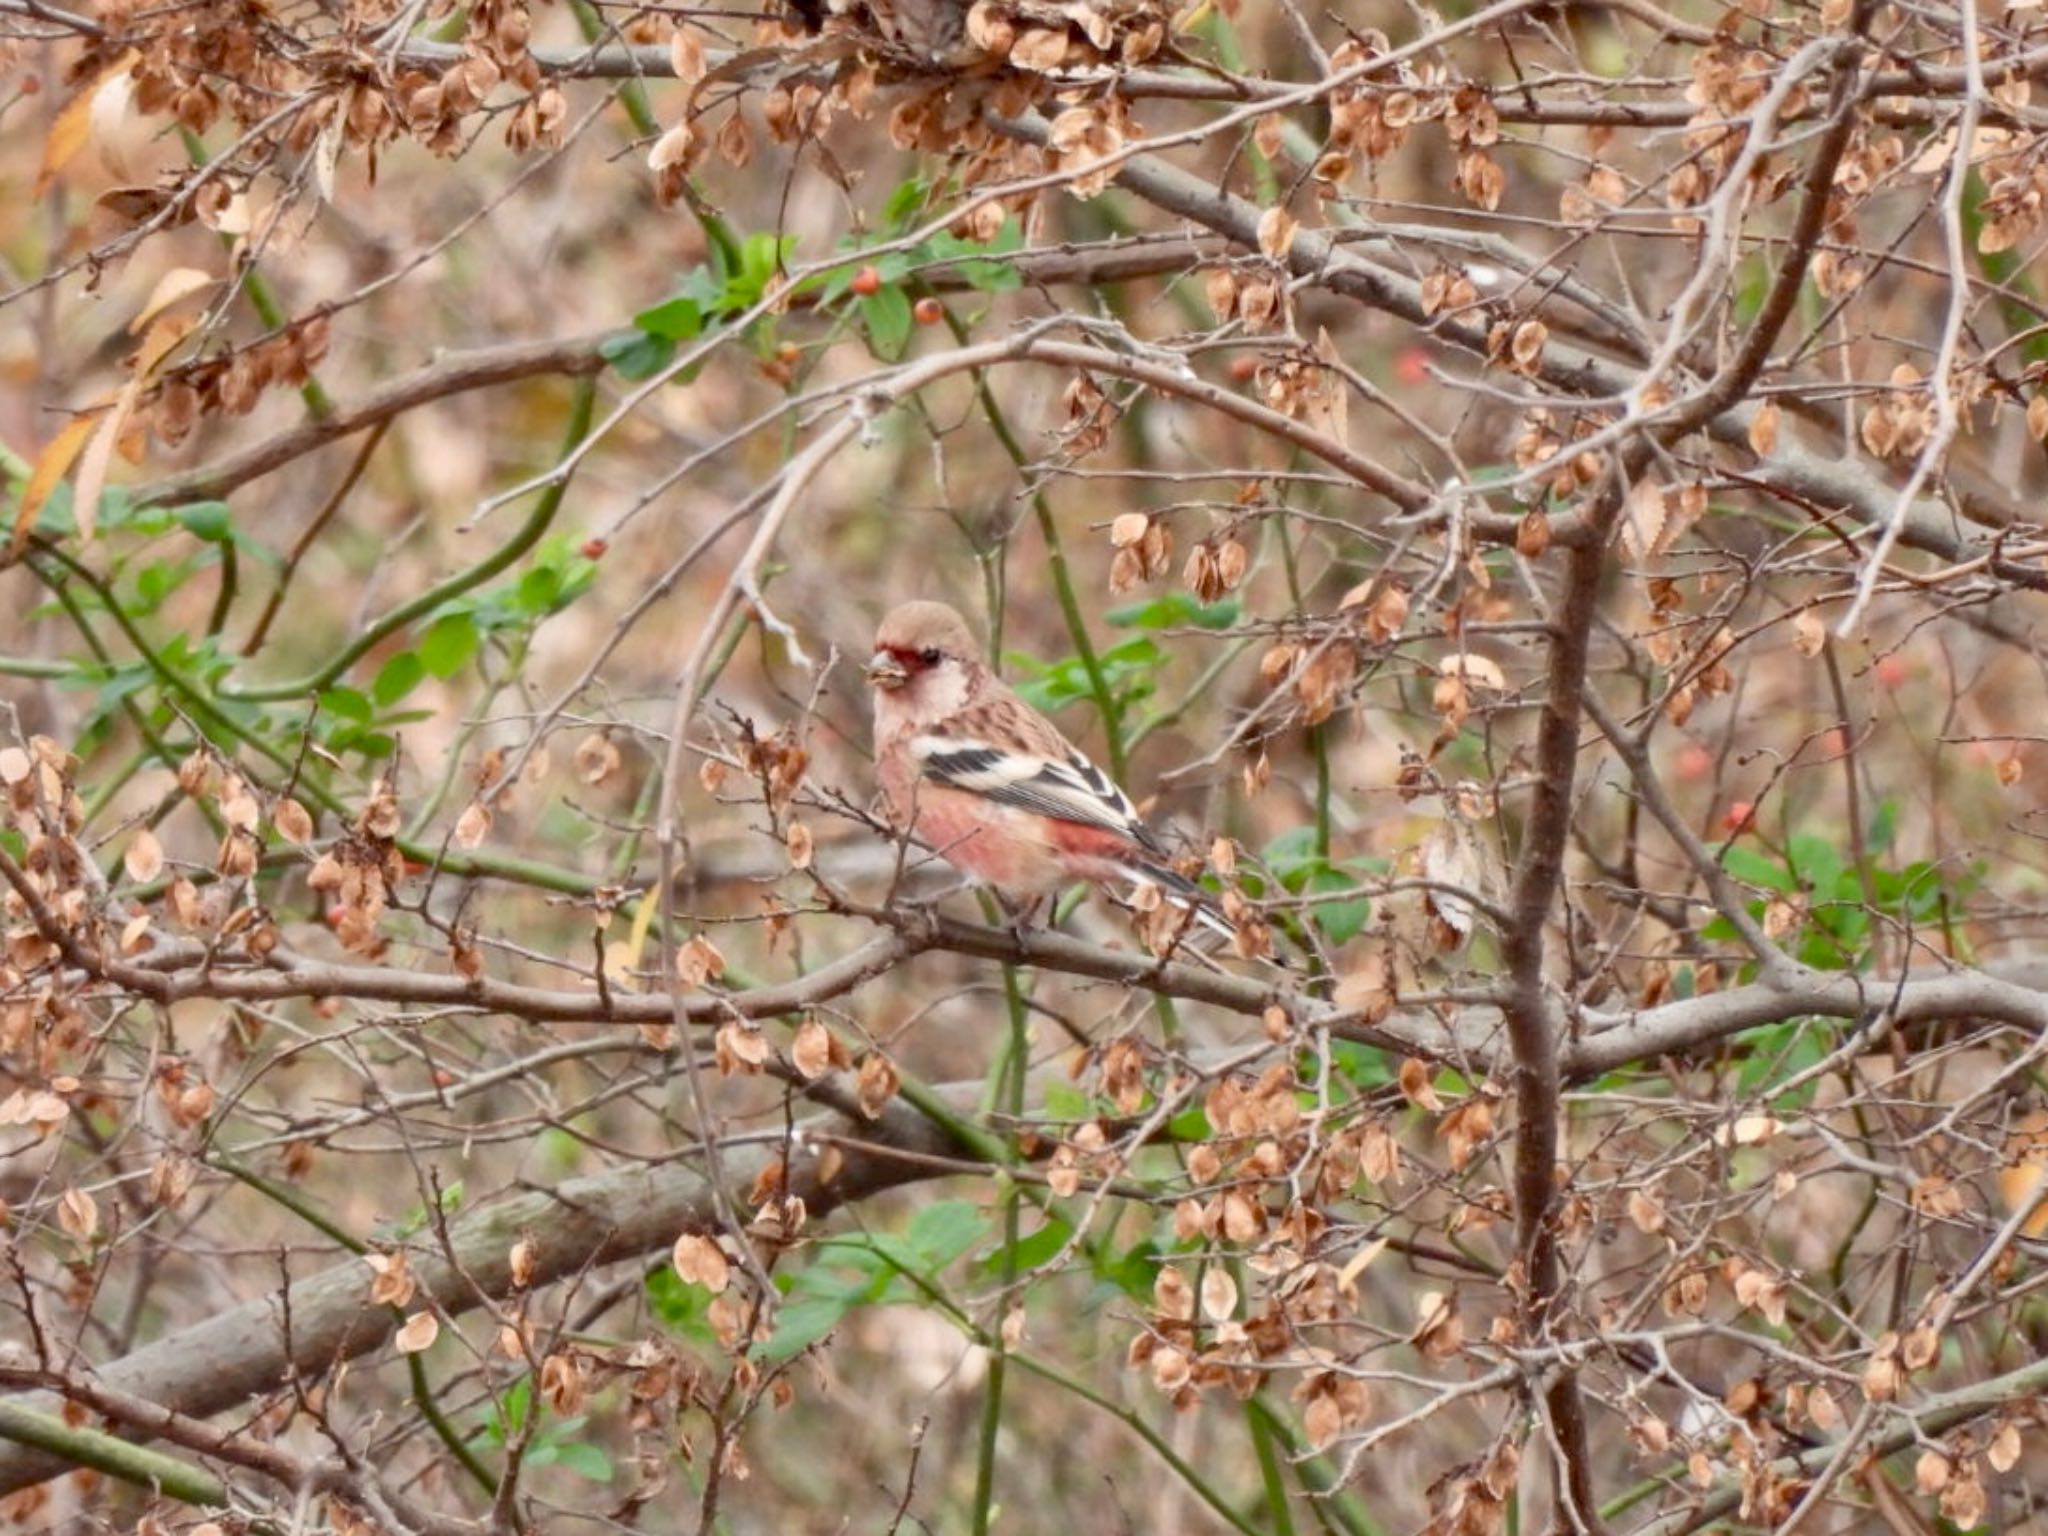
1063 1101
887 315
802 1323
1291 855
678 319
1339 920
683 1308
908 198
944 1230
1191 1124
346 703
539 588
448 644
398 677
636 355
1032 1249
1752 868
1131 1271
206 520
1817 861
585 1460
1176 610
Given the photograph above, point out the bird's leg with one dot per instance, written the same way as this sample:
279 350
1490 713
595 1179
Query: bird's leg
1021 915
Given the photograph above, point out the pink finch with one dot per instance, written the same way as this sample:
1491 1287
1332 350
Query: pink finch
989 784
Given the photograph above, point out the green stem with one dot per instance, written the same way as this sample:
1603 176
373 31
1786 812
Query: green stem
230 582
35 666
528 534
1269 1472
112 785
1317 1477
290 1200
257 290
449 1436
113 1456
1062 579
1013 1062
632 95
1129 1418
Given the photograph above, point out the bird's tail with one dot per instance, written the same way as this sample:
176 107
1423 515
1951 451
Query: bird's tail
1185 894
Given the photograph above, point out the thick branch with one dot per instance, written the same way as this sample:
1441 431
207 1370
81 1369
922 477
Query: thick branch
245 1352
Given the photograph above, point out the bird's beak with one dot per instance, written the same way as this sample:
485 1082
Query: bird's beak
885 671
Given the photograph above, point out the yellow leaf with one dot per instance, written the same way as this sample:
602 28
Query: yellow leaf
171 287
162 337
73 126
51 466
99 453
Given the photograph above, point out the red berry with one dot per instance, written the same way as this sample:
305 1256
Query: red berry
1243 366
336 914
1741 818
929 311
593 549
1892 671
867 280
1411 365
32 85
1695 761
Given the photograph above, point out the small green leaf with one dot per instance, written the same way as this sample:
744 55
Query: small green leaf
887 315
1339 920
448 644
637 355
1291 855
206 520
1174 610
585 1460
802 1323
908 197
347 703
1031 1250
1752 868
399 676
1063 1101
678 319
944 1230
539 588
1190 1125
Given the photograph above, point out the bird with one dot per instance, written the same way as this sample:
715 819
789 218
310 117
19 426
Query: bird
981 778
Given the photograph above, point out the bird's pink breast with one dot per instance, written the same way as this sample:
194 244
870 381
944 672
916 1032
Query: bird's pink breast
1002 847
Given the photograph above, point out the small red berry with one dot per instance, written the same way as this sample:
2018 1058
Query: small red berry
593 549
929 311
1892 671
1243 367
336 914
1411 365
31 85
868 280
1741 818
1695 761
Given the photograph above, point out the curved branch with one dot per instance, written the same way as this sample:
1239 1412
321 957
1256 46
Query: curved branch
452 375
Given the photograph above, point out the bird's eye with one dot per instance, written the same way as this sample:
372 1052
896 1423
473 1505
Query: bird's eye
929 656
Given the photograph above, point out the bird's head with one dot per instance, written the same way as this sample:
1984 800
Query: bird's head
920 646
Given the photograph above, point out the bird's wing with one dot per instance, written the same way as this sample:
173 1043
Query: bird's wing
1067 787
